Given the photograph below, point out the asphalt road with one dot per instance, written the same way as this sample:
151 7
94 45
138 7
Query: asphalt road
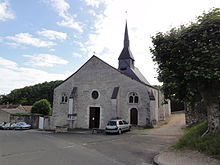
137 147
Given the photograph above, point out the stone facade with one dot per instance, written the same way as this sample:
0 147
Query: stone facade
99 76
98 92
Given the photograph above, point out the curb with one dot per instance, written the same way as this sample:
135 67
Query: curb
155 160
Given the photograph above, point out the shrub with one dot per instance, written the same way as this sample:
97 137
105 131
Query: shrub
41 107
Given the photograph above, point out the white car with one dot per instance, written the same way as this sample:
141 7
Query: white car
12 126
117 126
2 125
22 125
6 126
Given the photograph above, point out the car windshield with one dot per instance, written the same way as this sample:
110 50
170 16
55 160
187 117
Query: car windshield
111 123
125 122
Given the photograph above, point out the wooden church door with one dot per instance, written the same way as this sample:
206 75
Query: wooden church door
134 116
94 117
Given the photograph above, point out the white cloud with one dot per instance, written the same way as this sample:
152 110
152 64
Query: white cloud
78 43
94 3
46 60
70 23
7 63
62 8
51 50
5 12
92 12
52 35
77 55
14 77
27 39
145 19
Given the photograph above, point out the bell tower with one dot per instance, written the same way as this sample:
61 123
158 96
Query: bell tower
126 59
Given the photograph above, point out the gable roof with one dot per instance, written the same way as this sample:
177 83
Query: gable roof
13 110
27 108
8 106
142 82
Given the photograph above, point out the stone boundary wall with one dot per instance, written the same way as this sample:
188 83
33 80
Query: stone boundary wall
30 119
193 116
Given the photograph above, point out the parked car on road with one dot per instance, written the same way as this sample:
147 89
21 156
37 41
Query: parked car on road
22 125
12 126
2 124
117 126
6 126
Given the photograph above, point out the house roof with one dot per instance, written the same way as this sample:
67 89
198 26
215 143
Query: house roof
27 108
9 106
13 110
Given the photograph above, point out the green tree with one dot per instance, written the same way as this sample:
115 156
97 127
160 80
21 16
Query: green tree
42 107
188 61
30 94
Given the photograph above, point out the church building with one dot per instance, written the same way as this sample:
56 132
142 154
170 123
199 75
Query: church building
98 92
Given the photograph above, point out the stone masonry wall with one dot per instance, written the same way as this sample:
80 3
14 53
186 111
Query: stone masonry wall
96 75
195 115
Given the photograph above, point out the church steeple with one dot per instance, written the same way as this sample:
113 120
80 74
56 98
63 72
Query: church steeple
126 58
126 38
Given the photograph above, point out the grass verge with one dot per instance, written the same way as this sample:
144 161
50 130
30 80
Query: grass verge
29 114
209 144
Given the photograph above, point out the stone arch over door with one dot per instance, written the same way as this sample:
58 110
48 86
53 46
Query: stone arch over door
134 116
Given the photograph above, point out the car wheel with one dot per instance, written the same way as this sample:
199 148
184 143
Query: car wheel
119 131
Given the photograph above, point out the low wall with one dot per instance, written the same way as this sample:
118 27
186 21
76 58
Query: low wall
48 123
30 119
193 116
4 116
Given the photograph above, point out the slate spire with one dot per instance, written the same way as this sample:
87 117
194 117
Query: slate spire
126 53
126 37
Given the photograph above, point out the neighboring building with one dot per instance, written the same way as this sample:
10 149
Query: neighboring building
27 108
98 92
7 110
18 113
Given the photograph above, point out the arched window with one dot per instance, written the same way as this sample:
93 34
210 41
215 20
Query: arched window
133 97
136 99
64 98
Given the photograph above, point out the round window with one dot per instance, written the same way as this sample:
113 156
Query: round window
95 94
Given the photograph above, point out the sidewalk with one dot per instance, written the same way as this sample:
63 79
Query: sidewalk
184 158
188 157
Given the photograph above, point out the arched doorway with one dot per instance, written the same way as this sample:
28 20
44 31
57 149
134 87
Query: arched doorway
133 116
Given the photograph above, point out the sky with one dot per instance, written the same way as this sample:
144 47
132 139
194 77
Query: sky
47 40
